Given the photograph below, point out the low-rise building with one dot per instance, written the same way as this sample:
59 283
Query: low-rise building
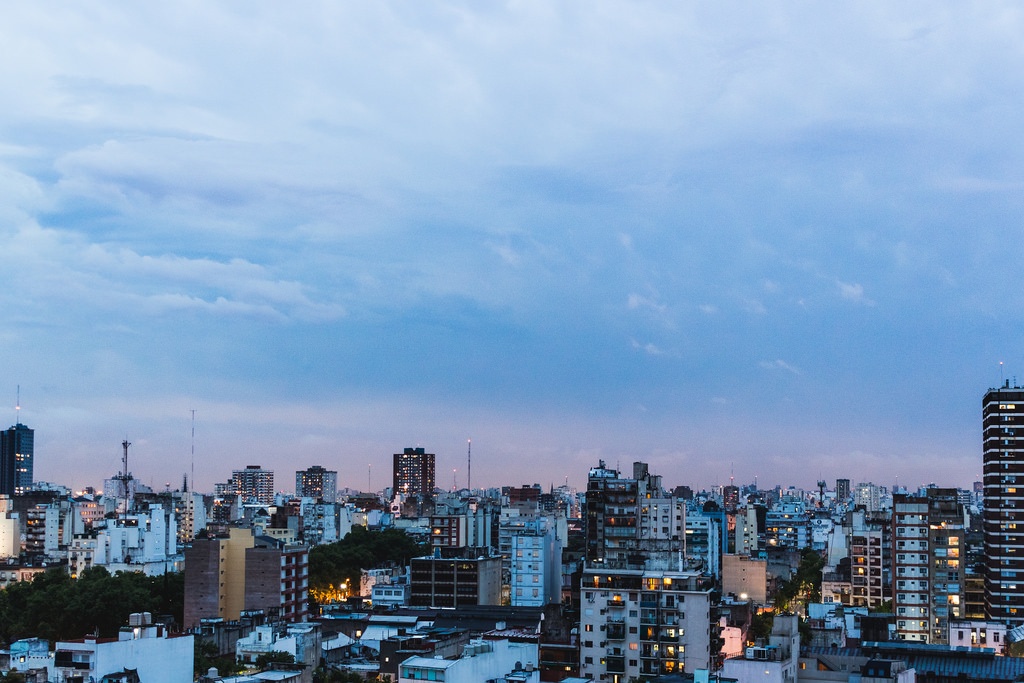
441 582
303 641
157 656
491 658
978 634
776 662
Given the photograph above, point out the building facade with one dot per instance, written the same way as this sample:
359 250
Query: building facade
240 572
1003 503
17 454
929 535
414 473
148 649
639 623
318 483
254 484
442 582
870 544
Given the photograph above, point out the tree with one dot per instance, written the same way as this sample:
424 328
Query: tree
56 607
207 657
274 657
760 627
803 587
335 564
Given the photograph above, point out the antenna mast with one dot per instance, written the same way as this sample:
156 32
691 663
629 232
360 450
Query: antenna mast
469 464
17 408
125 477
193 448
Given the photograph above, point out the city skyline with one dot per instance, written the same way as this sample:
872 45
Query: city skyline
771 242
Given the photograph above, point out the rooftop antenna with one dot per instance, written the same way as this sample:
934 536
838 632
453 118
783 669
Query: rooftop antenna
369 474
1000 373
455 480
17 408
469 464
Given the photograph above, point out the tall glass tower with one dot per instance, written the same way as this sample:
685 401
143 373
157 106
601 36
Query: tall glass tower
16 456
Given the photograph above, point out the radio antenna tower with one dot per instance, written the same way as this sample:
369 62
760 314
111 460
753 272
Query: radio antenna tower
193 474
125 477
469 464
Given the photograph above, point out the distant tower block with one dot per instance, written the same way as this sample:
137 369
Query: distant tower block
318 483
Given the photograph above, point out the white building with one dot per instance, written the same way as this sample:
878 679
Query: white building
157 656
489 659
42 531
978 634
644 622
190 514
775 663
385 587
10 529
31 654
536 565
303 641
871 497
142 542
704 543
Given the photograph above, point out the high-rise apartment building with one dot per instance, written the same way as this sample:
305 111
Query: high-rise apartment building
644 622
17 447
254 484
842 490
630 520
643 614
414 473
317 482
929 533
1002 413
870 552
868 496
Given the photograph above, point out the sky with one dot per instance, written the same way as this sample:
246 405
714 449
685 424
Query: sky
771 240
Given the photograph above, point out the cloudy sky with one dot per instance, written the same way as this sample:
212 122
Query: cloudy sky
781 240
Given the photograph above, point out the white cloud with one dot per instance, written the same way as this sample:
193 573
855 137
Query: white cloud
195 161
779 365
854 292
638 301
648 348
754 306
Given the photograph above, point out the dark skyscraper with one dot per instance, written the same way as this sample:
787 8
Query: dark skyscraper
414 473
16 455
1003 517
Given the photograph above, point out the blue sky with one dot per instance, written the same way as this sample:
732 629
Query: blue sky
781 240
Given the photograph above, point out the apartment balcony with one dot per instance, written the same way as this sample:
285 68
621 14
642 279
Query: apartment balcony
615 630
669 635
615 664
